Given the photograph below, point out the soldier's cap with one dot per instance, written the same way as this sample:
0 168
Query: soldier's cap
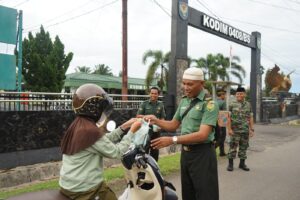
240 89
193 73
221 91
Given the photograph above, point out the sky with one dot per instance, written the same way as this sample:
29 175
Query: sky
92 30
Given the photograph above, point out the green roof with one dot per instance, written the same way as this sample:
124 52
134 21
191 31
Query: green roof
77 79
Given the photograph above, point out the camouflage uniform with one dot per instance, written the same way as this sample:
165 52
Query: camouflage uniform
241 113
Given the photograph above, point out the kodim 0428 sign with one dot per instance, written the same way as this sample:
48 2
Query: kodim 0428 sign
225 29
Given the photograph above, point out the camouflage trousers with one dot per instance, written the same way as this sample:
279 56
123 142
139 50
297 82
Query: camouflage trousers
241 141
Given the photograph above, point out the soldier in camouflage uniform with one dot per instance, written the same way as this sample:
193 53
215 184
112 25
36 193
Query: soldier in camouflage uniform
240 128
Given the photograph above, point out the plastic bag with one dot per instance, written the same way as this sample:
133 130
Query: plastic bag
141 136
125 195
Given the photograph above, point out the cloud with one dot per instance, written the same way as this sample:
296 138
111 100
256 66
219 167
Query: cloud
97 37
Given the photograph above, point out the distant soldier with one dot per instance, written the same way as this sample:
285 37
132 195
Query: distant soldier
153 107
240 128
221 131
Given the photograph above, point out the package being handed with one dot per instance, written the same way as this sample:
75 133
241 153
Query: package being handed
125 195
141 136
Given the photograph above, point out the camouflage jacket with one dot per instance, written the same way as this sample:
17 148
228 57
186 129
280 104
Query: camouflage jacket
241 113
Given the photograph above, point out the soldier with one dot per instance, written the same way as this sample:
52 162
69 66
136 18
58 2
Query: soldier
240 127
153 107
197 117
221 131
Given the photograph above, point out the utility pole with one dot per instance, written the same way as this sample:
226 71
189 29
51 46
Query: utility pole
124 51
162 82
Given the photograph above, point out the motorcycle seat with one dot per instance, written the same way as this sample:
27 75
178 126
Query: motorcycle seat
41 195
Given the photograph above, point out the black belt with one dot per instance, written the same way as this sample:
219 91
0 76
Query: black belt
193 147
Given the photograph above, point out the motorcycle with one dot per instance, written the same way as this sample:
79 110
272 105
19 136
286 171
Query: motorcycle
142 173
144 180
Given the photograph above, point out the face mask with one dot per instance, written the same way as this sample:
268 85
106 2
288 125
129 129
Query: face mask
141 136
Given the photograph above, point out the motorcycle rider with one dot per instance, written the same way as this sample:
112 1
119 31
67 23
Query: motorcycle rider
84 145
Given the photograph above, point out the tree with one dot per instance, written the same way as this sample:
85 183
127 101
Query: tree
204 64
44 62
218 67
160 61
237 70
83 69
120 73
102 69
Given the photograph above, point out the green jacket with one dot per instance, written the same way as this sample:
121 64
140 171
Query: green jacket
152 108
222 104
84 170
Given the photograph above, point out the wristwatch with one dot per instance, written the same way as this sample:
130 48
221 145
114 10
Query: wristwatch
174 139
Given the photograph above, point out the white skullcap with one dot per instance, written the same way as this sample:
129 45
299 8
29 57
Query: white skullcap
193 73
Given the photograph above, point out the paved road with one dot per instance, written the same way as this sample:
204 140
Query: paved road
274 161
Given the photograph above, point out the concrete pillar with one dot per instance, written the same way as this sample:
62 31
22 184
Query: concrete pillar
255 78
178 57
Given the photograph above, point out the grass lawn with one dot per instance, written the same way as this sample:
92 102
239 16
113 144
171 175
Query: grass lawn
167 164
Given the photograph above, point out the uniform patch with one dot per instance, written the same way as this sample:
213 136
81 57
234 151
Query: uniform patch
210 105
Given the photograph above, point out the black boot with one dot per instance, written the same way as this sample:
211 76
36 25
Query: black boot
230 165
222 152
243 166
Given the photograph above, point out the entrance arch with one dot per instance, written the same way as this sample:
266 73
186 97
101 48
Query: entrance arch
184 16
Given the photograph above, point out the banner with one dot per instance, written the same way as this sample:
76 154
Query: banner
223 118
7 72
8 25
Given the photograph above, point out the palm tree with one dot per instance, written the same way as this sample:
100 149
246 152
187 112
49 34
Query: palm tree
83 69
236 70
102 69
217 66
208 65
159 61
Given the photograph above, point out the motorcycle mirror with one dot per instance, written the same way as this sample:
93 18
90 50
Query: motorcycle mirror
111 125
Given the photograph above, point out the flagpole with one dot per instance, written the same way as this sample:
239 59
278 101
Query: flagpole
228 88
230 58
